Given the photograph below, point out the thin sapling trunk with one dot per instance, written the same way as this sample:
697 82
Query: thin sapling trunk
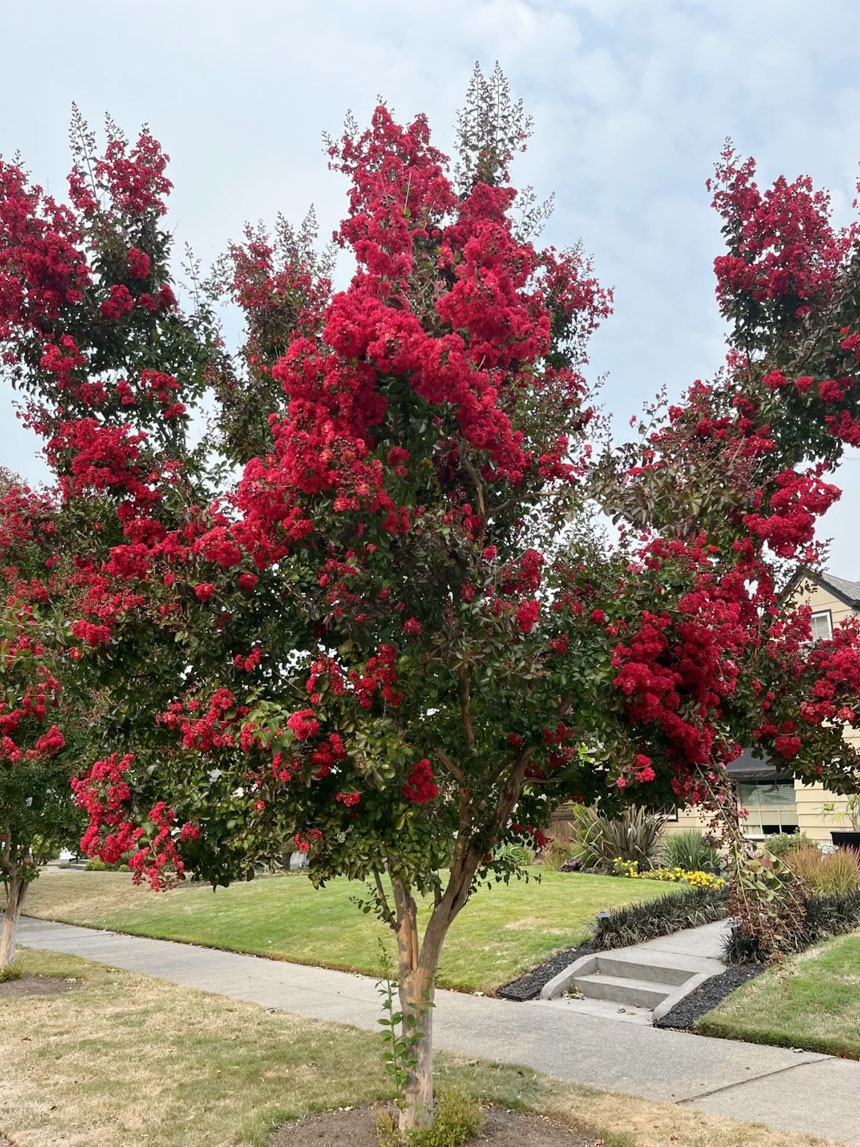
16 889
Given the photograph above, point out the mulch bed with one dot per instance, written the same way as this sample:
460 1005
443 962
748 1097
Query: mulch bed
357 1128
711 993
527 987
37 986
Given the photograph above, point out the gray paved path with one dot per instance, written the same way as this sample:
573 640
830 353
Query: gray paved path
791 1091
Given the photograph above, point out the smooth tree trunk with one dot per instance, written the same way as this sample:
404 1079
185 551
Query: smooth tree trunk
418 964
419 960
16 889
416 984
416 991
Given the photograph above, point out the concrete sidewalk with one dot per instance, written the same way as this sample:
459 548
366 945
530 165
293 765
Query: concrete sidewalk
790 1091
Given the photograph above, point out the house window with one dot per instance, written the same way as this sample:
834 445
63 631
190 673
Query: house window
822 625
771 808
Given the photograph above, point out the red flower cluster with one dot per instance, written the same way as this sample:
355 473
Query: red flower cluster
101 458
379 676
120 302
42 270
527 615
420 786
138 263
784 245
303 724
349 799
133 182
796 503
213 730
490 323
676 671
104 794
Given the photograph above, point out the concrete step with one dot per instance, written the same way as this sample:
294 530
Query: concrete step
622 990
640 978
639 967
600 1009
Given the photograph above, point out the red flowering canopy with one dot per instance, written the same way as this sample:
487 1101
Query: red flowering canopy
369 618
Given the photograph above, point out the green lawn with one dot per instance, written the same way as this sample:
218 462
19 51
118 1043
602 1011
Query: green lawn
503 932
816 1006
123 1059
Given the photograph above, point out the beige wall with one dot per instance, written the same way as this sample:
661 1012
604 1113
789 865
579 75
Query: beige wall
809 798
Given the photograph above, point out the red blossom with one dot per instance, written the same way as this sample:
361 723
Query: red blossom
527 615
138 263
303 724
420 787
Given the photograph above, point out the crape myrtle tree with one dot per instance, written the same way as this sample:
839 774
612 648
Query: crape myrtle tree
39 729
369 617
737 471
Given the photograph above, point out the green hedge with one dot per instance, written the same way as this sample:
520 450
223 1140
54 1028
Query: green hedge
648 919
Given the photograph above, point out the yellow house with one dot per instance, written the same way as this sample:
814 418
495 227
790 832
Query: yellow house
774 800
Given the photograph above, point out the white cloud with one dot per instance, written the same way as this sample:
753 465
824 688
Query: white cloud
632 101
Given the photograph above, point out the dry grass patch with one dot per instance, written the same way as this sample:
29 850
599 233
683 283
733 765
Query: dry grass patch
127 1059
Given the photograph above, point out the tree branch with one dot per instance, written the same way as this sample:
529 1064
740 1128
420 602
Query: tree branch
387 915
479 487
455 770
407 925
466 708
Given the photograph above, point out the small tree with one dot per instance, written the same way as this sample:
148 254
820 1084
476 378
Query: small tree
37 813
396 639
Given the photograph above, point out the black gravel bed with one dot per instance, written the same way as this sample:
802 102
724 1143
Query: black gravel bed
527 987
711 993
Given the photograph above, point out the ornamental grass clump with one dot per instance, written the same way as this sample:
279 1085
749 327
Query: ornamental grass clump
830 873
555 854
691 850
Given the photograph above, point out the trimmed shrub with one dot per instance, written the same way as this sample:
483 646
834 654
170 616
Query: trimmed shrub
98 865
782 842
636 923
690 850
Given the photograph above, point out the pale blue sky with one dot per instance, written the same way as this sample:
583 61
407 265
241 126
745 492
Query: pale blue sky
632 100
